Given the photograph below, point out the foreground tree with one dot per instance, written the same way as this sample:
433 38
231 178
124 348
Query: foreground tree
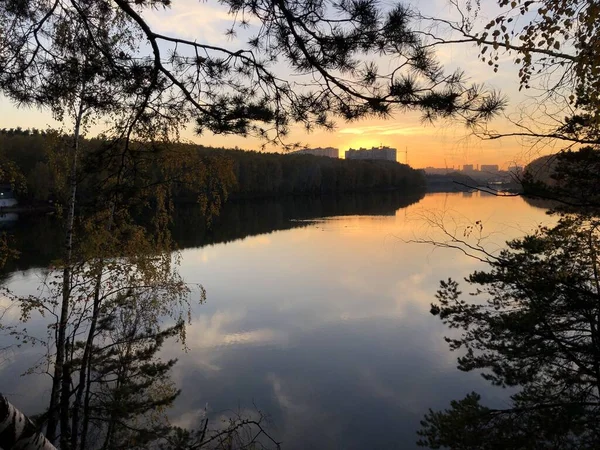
533 325
238 91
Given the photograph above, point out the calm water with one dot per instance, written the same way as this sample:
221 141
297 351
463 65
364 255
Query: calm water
317 313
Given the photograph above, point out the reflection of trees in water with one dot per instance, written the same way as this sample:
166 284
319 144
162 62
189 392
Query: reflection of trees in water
127 299
541 203
39 238
115 390
38 241
241 219
534 325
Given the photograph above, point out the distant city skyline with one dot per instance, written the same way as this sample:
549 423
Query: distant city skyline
381 152
473 168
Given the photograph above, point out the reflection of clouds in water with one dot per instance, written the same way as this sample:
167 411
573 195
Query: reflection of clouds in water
223 328
379 372
411 294
9 312
328 333
205 255
355 283
372 372
415 289
377 387
283 396
303 421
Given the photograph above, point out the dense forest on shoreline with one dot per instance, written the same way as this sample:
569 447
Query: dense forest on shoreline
32 161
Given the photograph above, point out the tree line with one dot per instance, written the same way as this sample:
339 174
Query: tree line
31 161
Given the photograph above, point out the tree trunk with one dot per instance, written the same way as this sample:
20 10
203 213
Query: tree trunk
122 375
66 287
17 431
65 394
85 371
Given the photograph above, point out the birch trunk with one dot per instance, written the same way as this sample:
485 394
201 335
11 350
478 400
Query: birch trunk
17 431
54 409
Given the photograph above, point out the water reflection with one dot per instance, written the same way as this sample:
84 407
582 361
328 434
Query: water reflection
324 324
327 327
39 238
8 219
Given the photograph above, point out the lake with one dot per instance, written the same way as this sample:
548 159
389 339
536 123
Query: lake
317 313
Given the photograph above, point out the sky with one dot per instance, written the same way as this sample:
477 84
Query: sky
421 145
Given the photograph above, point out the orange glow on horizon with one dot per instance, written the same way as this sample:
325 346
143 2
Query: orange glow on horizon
439 146
435 147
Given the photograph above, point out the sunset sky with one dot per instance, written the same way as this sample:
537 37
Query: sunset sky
439 145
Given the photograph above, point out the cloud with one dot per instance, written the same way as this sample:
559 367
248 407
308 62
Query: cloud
192 19
222 329
386 130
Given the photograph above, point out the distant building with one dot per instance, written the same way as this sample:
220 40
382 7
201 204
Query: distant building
489 168
385 153
329 152
468 168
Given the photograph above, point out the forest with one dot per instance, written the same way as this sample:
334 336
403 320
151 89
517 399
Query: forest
34 157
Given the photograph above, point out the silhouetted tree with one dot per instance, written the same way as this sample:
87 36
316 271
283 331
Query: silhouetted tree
533 324
238 91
